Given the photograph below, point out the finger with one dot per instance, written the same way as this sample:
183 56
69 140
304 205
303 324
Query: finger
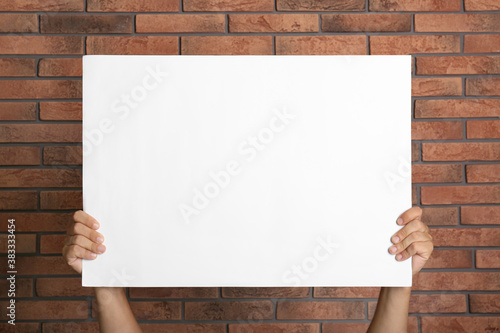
416 236
85 243
81 229
74 252
413 226
86 219
409 215
422 248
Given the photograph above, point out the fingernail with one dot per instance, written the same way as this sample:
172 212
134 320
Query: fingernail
395 239
95 226
100 248
92 254
393 249
100 239
400 220
399 256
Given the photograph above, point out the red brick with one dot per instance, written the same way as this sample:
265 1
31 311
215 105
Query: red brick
415 6
439 215
20 327
436 86
17 200
41 44
481 43
44 310
23 288
55 287
73 327
461 151
471 5
231 310
449 258
256 292
41 133
457 22
228 6
366 22
414 44
344 327
60 67
273 23
19 156
17 111
458 65
457 108
479 129
486 173
314 310
61 200
40 177
436 130
35 89
476 194
480 214
346 292
52 243
466 237
414 191
154 310
85 24
484 86
40 265
319 45
436 173
29 222
87 327
60 110
42 5
173 292
484 303
62 155
25 243
327 5
132 6
431 304
487 258
18 23
172 23
139 45
17 67
230 45
274 328
459 324
415 151
470 281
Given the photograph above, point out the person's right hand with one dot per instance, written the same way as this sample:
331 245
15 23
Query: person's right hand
82 241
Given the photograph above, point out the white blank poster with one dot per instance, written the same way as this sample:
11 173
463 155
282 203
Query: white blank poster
246 171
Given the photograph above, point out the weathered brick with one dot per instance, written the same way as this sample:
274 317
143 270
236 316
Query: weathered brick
481 43
41 45
155 310
41 133
431 304
17 111
200 292
29 222
436 130
457 108
25 243
319 45
18 22
61 200
60 67
132 6
40 265
52 243
20 327
436 86
42 5
60 110
23 288
459 324
35 89
484 303
62 155
478 5
230 45
449 258
273 23
346 292
132 45
70 326
44 310
366 22
436 173
487 258
456 281
457 22
53 287
87 327
18 200
414 44
461 151
480 214
85 24
228 6
235 292
230 310
172 23
327 5
19 156
275 327
17 67
40 177
417 6
483 129
415 151
314 310
472 194
440 215
484 86
486 173
458 65
466 236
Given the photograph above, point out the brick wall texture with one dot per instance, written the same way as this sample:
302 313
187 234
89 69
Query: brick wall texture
455 48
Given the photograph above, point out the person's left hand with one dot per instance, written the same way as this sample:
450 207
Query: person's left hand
412 240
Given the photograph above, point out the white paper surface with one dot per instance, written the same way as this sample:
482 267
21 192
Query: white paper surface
303 163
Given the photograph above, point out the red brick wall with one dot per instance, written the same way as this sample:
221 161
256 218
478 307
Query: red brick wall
456 151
